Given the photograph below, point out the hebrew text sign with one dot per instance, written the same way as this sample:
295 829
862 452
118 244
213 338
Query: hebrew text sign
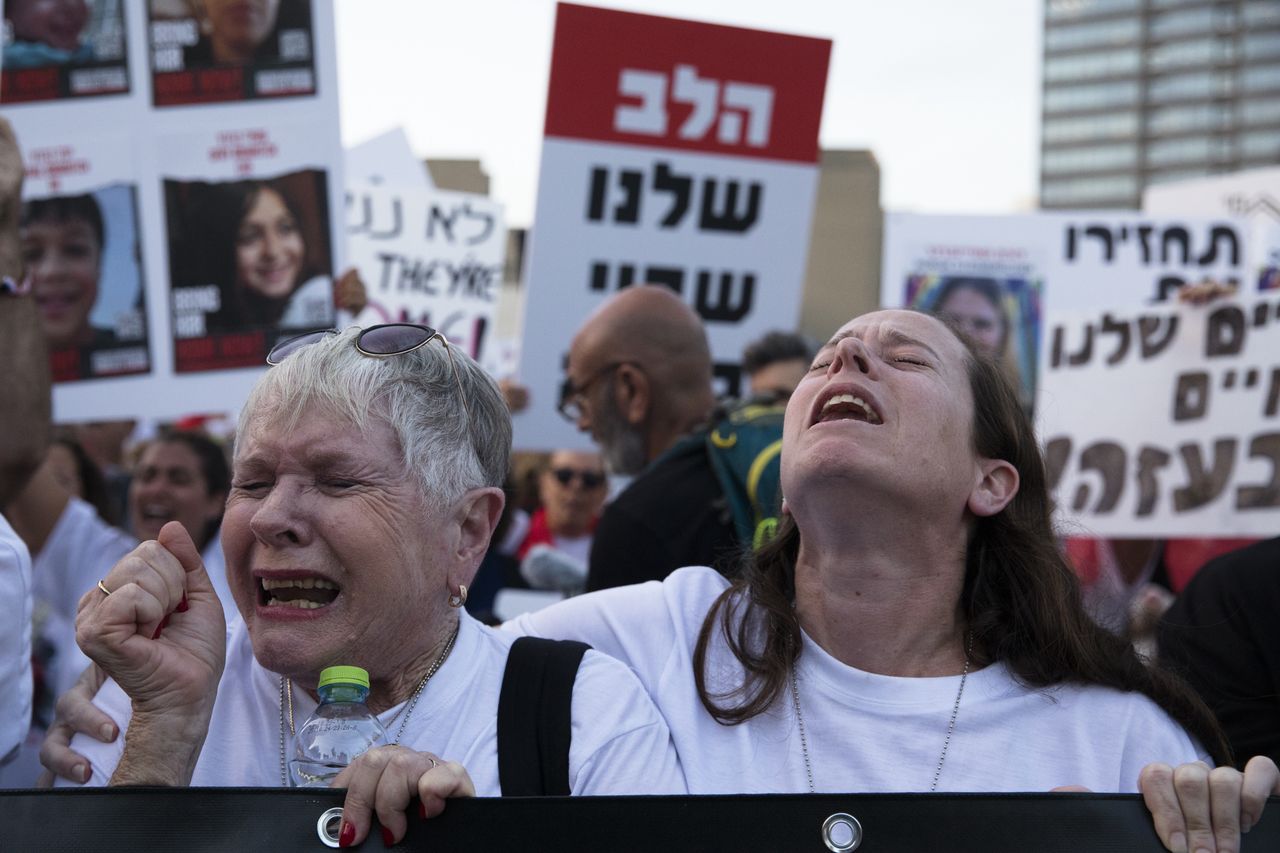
1165 421
679 154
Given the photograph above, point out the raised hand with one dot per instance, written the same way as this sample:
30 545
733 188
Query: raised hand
161 635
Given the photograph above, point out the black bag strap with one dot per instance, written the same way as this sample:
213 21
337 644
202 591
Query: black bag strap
534 717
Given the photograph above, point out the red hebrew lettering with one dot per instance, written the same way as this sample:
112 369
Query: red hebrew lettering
648 80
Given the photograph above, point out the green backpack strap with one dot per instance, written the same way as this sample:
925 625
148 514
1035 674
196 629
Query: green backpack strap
745 449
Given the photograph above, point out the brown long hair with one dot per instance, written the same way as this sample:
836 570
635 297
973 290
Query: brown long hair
1020 598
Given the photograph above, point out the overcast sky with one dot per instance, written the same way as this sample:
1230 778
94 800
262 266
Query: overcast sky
946 94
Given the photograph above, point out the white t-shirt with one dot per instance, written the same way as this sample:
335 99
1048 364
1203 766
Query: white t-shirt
80 550
15 640
620 743
865 732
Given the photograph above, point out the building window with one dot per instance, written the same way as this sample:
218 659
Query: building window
1261 12
1082 128
1095 34
1171 175
1090 66
1200 84
1260 78
1196 52
1097 158
1182 22
1091 97
1260 112
1065 10
1192 117
1262 144
1078 191
1170 151
1261 45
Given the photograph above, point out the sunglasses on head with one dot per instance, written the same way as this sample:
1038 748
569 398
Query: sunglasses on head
589 479
380 341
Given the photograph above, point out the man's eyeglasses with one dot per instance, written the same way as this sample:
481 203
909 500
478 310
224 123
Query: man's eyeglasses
590 479
572 397
382 341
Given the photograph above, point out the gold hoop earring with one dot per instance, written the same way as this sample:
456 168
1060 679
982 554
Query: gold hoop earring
460 597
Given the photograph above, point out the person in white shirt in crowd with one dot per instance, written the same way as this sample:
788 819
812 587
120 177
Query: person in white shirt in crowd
25 433
913 625
15 643
367 483
180 477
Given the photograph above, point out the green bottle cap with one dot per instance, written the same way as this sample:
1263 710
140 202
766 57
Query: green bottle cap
344 675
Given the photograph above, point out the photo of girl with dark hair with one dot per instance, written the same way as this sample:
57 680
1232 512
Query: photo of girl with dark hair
1000 316
250 261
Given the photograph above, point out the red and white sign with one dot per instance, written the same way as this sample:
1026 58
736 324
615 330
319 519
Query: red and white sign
676 153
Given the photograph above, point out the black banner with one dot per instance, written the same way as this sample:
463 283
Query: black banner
286 820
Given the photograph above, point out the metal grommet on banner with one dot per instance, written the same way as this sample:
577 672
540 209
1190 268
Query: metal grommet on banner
841 833
328 826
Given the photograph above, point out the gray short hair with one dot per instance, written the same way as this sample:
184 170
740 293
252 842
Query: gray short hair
448 448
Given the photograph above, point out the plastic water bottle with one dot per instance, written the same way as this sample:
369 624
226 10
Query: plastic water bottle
341 728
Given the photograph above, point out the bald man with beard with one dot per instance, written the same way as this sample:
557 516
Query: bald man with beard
639 380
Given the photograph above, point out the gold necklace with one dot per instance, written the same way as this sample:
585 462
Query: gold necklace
286 695
946 743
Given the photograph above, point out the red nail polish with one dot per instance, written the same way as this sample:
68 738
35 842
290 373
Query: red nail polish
388 839
422 809
348 835
182 605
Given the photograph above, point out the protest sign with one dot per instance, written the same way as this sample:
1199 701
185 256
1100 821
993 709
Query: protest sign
984 273
432 257
80 242
216 53
386 160
676 153
180 188
996 276
1165 420
250 258
71 51
1252 196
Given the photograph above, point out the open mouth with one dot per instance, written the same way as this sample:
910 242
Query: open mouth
848 407
155 513
298 593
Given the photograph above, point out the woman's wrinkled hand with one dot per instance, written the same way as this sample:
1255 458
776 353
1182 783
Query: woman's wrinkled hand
158 630
385 780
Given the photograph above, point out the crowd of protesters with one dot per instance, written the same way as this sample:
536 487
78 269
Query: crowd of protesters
902 620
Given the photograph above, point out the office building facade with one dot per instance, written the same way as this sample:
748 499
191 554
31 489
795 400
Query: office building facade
1137 92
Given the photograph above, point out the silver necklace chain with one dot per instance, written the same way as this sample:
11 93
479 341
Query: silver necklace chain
946 743
286 696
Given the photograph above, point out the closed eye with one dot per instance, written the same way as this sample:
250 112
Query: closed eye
339 484
822 365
